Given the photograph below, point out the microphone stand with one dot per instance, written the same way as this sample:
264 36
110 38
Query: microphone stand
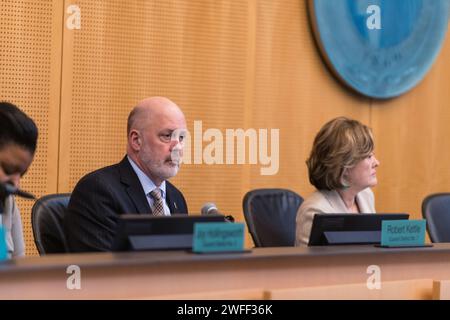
7 189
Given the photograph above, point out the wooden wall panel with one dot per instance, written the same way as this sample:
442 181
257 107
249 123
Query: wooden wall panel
294 91
30 76
229 63
194 52
412 142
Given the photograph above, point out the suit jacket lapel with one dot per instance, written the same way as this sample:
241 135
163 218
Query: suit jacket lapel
363 203
338 204
171 203
133 187
336 201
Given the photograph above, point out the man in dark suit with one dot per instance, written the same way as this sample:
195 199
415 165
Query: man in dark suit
138 184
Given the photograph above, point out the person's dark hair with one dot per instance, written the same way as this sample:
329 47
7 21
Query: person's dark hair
339 145
17 128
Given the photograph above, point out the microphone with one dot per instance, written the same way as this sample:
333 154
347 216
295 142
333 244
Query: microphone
7 189
211 208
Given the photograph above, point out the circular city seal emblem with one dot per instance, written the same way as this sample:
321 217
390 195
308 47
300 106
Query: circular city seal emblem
380 48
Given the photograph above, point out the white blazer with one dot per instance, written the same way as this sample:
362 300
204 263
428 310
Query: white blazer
325 201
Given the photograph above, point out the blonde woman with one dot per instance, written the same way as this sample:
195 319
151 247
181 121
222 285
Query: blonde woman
342 167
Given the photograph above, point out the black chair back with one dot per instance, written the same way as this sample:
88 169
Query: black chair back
436 210
47 217
270 216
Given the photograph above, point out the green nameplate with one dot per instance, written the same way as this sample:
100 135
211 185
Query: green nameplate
218 237
403 233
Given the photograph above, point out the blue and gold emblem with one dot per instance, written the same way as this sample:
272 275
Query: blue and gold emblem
380 48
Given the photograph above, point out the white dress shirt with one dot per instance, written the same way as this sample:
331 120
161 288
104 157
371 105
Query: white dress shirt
148 186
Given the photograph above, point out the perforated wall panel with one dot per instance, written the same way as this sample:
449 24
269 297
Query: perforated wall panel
30 78
193 52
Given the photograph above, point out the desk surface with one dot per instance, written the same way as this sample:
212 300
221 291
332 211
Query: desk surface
106 259
166 273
